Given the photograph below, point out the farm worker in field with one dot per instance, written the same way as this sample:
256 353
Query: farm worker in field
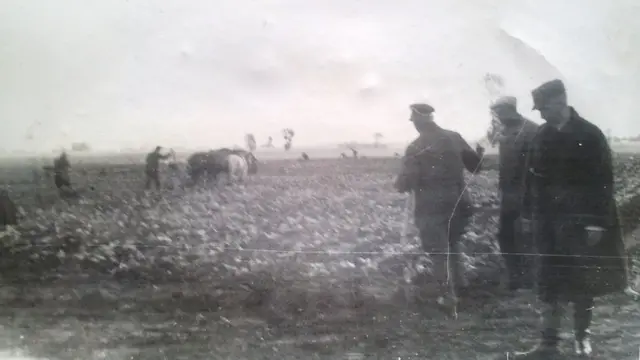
153 165
8 210
569 203
433 167
517 133
61 168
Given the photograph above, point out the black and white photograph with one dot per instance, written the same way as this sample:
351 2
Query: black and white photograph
322 179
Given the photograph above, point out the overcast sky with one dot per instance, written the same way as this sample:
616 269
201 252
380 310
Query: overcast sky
203 73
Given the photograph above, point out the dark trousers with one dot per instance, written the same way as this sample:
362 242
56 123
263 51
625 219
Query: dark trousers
8 211
517 250
152 178
441 240
553 312
61 181
64 186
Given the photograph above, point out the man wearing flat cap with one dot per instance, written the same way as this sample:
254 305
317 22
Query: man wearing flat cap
433 167
515 138
569 202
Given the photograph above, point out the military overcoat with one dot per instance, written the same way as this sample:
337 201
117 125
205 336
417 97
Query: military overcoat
569 186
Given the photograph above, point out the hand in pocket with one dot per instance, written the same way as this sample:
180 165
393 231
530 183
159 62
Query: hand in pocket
594 235
526 225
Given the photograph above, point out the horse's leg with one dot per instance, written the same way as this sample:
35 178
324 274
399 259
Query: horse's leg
230 178
217 178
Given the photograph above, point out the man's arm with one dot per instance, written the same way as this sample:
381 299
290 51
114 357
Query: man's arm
528 134
407 178
527 196
470 158
598 164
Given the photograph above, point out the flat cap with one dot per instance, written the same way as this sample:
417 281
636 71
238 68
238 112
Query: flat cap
547 91
507 101
422 109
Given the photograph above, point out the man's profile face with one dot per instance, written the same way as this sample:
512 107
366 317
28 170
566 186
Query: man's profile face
419 121
551 110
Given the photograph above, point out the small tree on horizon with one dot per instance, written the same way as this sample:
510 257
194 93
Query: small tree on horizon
80 147
377 137
288 135
495 86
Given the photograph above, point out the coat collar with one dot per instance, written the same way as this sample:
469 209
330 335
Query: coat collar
569 125
574 119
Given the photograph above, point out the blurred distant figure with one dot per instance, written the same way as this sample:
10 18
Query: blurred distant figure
8 210
516 136
47 170
355 153
61 167
343 155
252 161
153 167
305 156
432 169
36 176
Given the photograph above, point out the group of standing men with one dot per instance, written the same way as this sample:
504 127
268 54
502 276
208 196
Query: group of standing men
556 187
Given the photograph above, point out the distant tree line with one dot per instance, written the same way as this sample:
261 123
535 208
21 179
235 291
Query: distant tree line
625 138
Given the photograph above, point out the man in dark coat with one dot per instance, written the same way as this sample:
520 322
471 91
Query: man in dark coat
569 198
433 167
514 139
61 168
8 210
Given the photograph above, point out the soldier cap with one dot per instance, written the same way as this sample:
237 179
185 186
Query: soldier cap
505 101
422 109
547 91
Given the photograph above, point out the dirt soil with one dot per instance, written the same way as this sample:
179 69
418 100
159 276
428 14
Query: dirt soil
306 261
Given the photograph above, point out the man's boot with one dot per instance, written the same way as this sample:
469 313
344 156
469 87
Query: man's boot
447 300
582 344
547 349
449 305
583 313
